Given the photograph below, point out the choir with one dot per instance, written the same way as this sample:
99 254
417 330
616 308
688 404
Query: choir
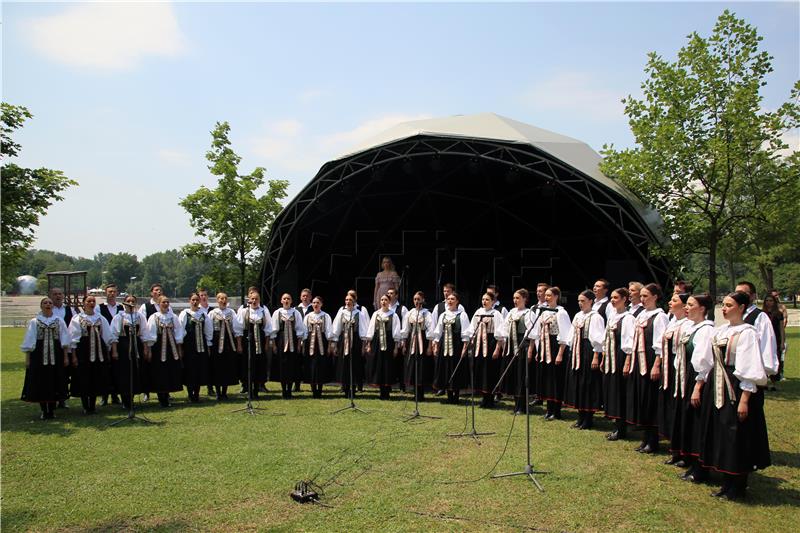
674 376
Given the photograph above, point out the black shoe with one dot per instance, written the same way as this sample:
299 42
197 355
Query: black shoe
673 460
104 401
588 423
649 449
438 392
614 435
145 397
62 404
244 390
537 402
577 425
42 416
262 388
681 463
115 399
723 491
687 476
640 446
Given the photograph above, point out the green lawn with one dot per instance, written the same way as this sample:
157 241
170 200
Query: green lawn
205 468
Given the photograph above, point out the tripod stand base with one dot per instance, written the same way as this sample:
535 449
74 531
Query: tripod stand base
529 471
474 434
250 409
351 407
132 416
416 414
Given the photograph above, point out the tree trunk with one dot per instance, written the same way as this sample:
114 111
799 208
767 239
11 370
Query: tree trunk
242 267
713 243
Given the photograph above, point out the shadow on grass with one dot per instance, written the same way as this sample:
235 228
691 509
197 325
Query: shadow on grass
771 492
788 390
11 366
790 459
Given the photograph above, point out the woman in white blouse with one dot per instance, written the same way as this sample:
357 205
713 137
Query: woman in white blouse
226 347
383 339
196 344
416 331
551 335
91 337
129 335
165 371
583 386
46 345
617 347
348 332
488 334
288 333
643 368
317 366
450 342
734 431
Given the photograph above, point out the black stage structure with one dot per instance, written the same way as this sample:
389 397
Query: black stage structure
470 200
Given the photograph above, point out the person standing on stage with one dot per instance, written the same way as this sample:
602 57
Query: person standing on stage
206 308
670 344
65 313
90 336
734 431
386 279
226 348
348 332
317 362
304 307
487 331
551 335
635 305
450 342
383 338
694 341
643 368
600 291
150 308
766 336
197 339
164 366
584 381
288 333
777 318
440 308
495 293
129 347
401 311
416 330
617 347
519 322
109 310
46 359
256 329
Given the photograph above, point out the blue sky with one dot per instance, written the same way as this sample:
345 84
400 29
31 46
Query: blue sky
125 95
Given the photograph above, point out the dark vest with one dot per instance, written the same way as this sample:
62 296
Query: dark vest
638 310
107 314
150 309
751 318
302 312
602 309
441 307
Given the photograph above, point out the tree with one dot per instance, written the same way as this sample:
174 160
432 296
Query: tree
707 155
120 268
232 220
26 193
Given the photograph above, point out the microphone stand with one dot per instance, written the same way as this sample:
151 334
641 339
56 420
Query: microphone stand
475 434
248 407
132 347
528 470
352 394
416 414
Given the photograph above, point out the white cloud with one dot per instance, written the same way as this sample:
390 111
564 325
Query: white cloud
575 92
310 95
174 157
286 146
792 139
111 36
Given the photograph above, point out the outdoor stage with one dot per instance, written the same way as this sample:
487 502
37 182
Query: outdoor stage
471 200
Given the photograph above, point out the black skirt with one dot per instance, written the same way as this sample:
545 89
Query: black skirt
342 362
615 388
642 393
44 383
223 367
121 368
686 420
286 364
485 367
163 376
727 445
550 376
195 358
317 369
583 387
251 361
382 364
666 401
91 378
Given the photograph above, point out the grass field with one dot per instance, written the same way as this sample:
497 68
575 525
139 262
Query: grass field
203 467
